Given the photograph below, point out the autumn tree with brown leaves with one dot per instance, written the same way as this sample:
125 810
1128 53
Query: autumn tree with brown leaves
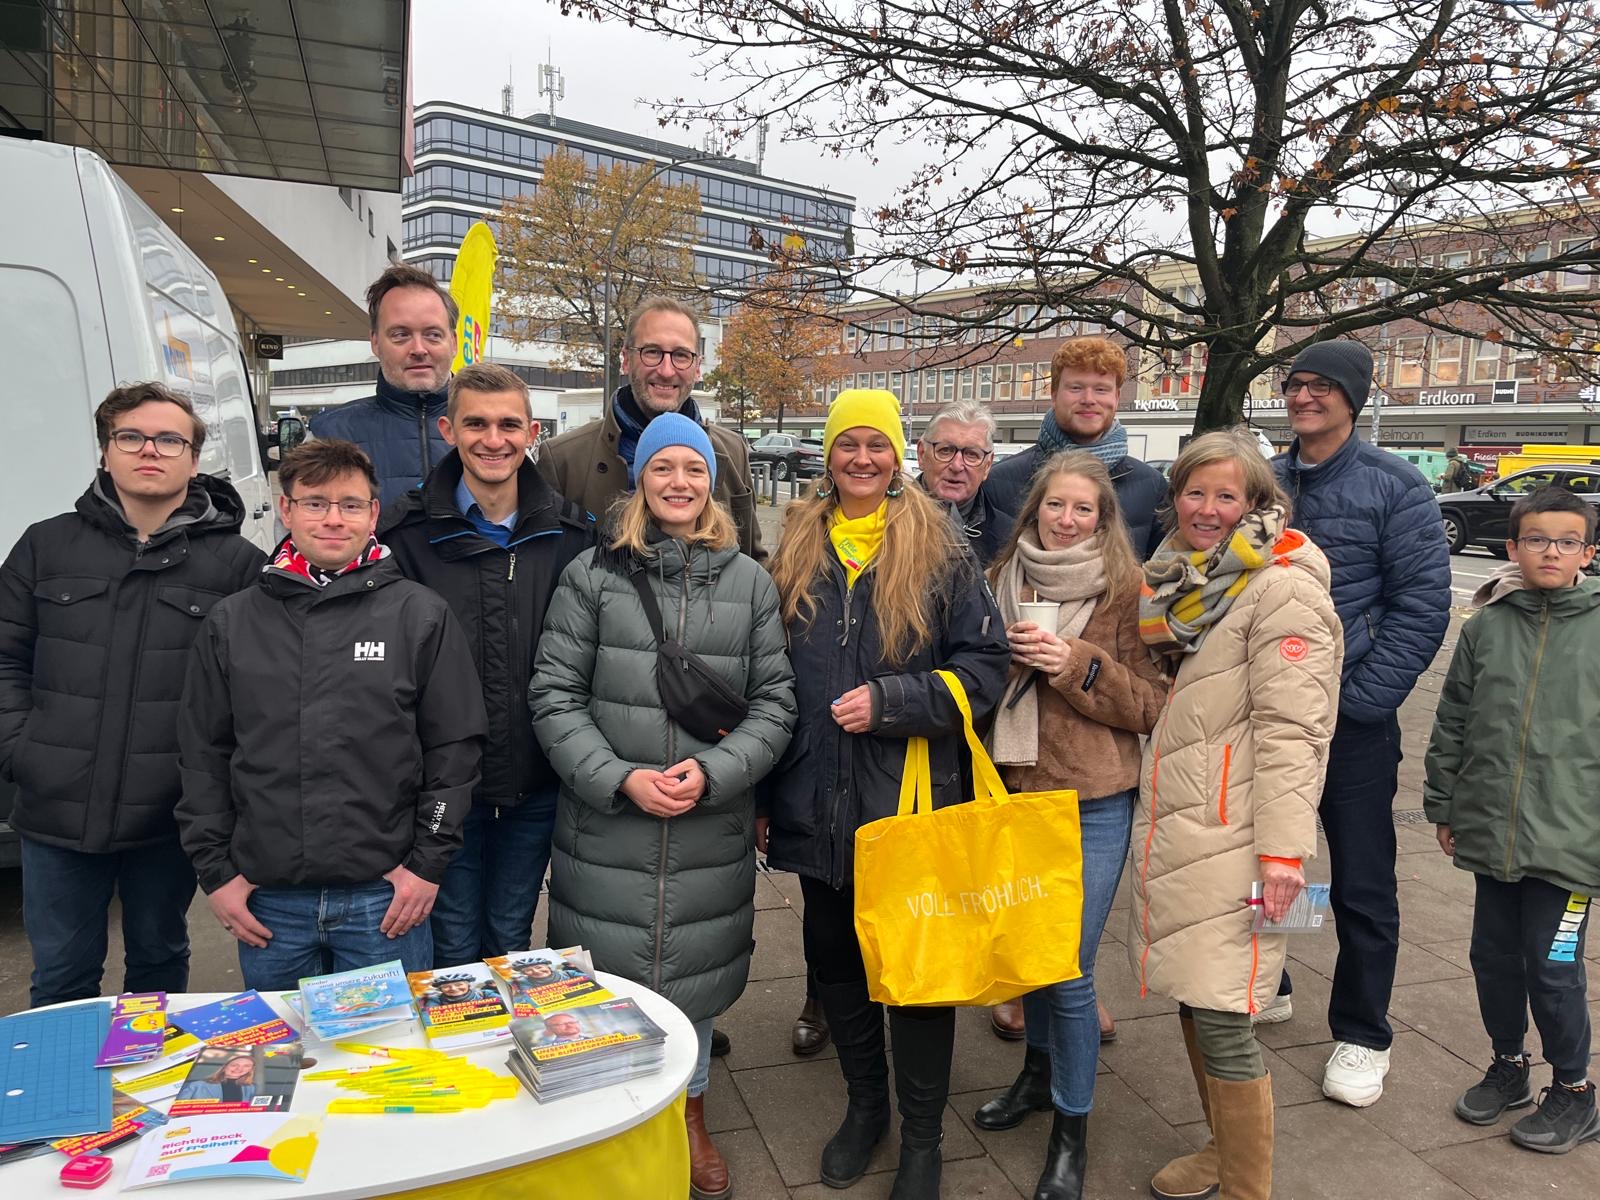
554 247
778 345
1071 145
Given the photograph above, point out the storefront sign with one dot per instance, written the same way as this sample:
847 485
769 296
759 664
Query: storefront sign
1445 396
1156 404
1421 433
1514 435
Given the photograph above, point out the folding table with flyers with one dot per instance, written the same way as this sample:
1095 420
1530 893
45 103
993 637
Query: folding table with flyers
625 1140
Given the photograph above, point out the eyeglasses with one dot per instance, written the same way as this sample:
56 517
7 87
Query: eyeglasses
1537 543
945 452
316 506
168 445
651 356
1316 387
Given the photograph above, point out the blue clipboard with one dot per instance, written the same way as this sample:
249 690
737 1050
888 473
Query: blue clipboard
49 1087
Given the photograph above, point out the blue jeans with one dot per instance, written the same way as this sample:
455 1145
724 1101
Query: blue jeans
66 896
486 903
701 1079
318 930
1062 1017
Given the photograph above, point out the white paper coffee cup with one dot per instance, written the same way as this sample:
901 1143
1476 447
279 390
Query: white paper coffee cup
1043 613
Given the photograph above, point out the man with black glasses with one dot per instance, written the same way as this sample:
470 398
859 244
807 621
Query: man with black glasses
590 465
331 731
955 453
98 608
1375 517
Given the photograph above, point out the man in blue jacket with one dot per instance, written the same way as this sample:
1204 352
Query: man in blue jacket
1376 519
414 336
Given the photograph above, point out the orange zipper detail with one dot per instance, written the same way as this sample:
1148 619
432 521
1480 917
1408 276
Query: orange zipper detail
1222 800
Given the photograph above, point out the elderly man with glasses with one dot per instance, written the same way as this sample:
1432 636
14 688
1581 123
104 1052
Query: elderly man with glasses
661 357
1376 518
955 452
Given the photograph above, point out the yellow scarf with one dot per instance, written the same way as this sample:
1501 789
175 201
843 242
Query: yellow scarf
857 541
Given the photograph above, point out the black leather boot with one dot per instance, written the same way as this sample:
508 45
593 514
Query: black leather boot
857 1027
921 1164
1065 1159
1029 1093
924 1043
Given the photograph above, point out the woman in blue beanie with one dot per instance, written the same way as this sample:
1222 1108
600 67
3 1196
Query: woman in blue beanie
653 867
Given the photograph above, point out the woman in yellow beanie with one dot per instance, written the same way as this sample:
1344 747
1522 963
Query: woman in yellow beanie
878 591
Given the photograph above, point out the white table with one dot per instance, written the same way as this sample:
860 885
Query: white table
371 1155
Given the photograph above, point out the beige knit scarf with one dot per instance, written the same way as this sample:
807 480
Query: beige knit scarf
1076 577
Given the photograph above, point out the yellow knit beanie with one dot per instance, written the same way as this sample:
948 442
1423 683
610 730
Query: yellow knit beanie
869 407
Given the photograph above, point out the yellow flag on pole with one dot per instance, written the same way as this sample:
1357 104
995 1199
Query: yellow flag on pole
472 284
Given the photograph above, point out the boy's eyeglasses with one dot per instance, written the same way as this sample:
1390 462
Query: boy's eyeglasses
1536 543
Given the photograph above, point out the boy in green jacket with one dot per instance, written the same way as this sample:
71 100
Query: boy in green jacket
1510 775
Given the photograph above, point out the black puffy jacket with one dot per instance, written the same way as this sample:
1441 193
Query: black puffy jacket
829 783
328 734
399 430
1141 490
500 596
94 632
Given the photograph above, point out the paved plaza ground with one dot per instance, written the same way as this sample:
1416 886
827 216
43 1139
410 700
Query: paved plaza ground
772 1112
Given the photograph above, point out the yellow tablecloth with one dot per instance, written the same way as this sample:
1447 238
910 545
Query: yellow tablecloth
649 1162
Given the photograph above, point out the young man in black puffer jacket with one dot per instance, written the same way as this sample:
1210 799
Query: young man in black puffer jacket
98 608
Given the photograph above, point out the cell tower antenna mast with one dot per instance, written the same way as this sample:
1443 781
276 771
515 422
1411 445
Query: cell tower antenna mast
551 81
507 101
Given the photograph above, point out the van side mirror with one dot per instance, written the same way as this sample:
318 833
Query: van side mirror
291 432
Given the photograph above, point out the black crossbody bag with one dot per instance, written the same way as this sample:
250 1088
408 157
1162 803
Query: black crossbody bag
693 694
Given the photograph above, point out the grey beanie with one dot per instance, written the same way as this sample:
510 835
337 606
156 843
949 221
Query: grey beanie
1349 364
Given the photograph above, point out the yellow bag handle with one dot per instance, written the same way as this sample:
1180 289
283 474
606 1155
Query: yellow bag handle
916 780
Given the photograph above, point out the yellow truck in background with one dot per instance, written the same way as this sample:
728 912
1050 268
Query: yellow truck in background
1544 456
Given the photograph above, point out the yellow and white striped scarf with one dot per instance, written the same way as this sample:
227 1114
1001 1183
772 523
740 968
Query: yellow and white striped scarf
1186 592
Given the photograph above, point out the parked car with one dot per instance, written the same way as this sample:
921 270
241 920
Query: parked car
1480 517
791 457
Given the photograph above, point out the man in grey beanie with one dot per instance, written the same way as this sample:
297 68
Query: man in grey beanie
1375 517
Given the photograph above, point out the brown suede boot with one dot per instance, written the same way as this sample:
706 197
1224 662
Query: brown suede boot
1242 1118
708 1173
1194 1176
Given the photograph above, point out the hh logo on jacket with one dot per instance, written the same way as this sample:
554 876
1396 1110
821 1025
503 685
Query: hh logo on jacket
369 651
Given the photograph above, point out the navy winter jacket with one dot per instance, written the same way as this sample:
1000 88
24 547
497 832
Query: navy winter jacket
399 431
1377 520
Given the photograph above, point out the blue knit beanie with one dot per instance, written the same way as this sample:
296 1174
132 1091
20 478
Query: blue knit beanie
672 429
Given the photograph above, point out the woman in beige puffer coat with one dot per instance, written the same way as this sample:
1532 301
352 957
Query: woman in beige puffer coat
1230 783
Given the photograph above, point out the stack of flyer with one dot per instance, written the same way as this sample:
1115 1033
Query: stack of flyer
354 1002
244 1019
138 1030
460 1007
576 1050
546 981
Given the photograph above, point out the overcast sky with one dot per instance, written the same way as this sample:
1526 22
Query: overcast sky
463 50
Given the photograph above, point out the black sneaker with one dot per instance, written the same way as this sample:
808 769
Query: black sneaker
1504 1086
1566 1118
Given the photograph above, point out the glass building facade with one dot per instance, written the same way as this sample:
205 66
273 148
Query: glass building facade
469 162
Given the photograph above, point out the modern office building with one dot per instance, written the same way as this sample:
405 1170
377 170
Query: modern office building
468 162
271 135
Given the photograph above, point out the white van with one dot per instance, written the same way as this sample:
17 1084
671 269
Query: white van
96 292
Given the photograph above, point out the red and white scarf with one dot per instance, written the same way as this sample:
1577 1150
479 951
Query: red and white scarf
291 560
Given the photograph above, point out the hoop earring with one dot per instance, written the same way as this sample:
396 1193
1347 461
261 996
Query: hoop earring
825 490
898 487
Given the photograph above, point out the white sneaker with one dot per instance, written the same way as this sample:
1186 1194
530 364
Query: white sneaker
1278 1010
1354 1074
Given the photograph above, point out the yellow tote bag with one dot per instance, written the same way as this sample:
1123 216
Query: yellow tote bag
975 903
